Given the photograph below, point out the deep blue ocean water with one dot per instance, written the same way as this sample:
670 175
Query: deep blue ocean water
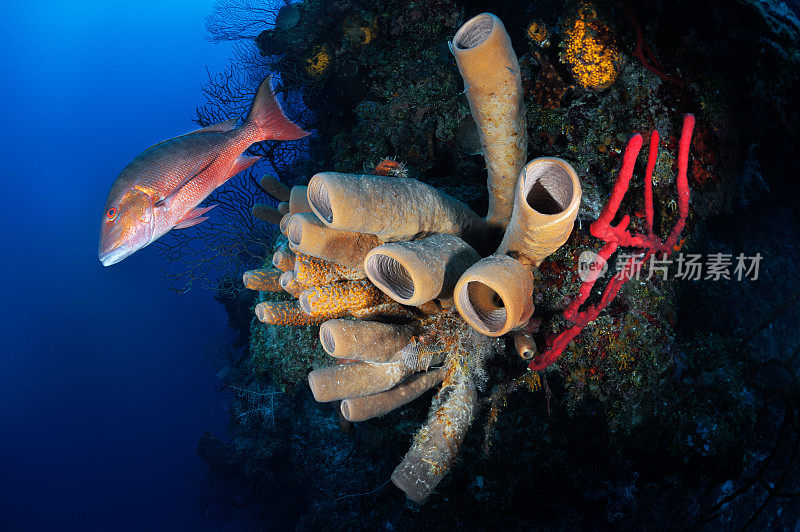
104 387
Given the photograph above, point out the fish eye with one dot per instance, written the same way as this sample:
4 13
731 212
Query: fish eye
112 213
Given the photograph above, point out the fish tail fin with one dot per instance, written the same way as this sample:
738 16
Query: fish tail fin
266 119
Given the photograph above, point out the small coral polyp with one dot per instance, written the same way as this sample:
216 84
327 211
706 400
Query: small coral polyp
402 279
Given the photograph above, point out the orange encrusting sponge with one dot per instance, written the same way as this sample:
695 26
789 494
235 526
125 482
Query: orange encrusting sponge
263 280
340 298
285 313
312 271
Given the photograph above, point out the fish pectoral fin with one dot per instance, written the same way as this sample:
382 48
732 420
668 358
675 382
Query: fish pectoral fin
166 201
190 223
193 217
243 162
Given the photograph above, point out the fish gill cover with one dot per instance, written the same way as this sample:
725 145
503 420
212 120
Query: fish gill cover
586 355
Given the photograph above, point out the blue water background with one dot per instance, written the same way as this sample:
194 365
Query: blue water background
104 388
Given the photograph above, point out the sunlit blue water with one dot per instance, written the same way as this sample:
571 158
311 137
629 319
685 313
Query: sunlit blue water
104 387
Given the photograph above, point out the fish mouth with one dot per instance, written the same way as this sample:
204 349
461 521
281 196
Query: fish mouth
113 256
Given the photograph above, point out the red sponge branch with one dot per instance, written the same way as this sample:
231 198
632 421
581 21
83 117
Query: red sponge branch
618 235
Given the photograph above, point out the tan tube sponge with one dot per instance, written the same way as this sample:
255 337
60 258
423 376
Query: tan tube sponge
389 207
364 340
546 203
436 445
418 271
266 213
308 235
524 345
364 408
495 295
298 200
283 260
284 222
313 271
284 313
390 309
273 186
490 69
366 378
289 283
354 380
265 280
339 298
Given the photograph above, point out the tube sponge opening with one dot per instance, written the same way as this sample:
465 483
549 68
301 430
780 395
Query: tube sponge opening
327 339
294 231
319 199
474 32
390 274
495 295
546 204
483 305
418 271
548 188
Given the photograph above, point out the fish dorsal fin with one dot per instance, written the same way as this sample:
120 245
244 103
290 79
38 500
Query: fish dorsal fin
227 125
222 127
166 200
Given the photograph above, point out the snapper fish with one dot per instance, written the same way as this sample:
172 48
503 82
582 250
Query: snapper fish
161 189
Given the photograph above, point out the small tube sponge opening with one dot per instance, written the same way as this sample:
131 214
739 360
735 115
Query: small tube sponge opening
474 32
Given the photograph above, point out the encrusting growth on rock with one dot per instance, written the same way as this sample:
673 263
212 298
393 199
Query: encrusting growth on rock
262 280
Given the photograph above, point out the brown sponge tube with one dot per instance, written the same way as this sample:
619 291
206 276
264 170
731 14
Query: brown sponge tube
289 283
265 280
436 444
392 209
339 298
354 380
367 378
298 201
524 345
418 271
310 270
548 196
284 313
388 309
308 235
363 340
495 295
273 186
283 260
266 213
364 408
490 69
284 222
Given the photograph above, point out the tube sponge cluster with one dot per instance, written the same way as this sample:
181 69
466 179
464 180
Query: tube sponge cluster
389 324
402 278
